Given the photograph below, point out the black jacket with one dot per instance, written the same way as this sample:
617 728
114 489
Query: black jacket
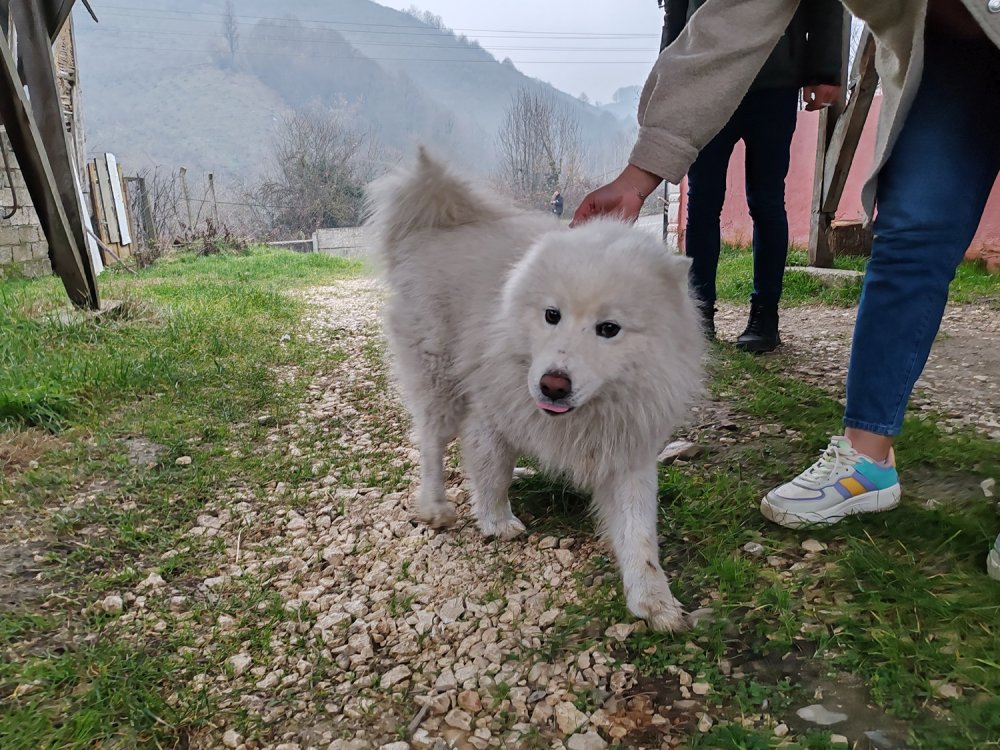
809 52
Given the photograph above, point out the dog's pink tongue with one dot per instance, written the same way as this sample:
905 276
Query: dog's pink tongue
554 408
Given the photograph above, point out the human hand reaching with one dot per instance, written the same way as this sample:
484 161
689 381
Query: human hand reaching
819 96
621 197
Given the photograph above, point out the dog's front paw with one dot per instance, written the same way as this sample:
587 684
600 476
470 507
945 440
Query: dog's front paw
653 601
502 528
439 515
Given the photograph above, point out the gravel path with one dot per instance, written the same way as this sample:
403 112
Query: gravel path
389 635
960 385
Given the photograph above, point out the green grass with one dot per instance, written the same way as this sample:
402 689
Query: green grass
735 281
900 599
188 361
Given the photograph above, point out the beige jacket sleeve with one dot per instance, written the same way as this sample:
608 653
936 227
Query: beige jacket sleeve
699 80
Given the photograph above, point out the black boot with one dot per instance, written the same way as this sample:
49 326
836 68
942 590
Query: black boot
707 313
761 334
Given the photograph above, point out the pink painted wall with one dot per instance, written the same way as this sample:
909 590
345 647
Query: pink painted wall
736 225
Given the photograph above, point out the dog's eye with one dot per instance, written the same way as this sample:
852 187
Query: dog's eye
608 330
552 316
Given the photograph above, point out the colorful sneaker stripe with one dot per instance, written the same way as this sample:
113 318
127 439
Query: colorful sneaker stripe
853 486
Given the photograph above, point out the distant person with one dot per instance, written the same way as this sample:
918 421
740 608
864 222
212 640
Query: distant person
808 56
557 204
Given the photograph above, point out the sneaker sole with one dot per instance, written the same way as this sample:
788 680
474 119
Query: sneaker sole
876 501
993 564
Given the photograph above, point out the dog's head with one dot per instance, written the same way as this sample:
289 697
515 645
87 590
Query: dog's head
602 311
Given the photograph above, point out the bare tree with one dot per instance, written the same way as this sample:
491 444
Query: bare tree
538 149
231 31
320 168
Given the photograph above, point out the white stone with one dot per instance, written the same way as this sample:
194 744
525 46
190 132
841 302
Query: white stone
987 486
183 461
619 631
588 741
568 717
240 663
459 719
446 681
701 688
678 449
813 545
818 714
781 730
153 581
112 604
705 723
231 738
395 746
395 676
452 610
753 548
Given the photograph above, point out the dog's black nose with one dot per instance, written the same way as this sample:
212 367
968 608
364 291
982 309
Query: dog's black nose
555 386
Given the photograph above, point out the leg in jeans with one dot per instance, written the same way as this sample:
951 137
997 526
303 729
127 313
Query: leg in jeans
931 195
705 196
930 199
769 124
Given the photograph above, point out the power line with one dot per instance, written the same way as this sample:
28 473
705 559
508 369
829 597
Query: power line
407 59
326 43
429 30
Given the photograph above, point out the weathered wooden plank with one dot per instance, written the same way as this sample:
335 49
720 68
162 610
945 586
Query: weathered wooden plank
129 217
107 203
847 133
38 139
819 224
121 217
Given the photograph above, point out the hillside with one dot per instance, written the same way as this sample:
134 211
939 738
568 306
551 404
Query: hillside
160 86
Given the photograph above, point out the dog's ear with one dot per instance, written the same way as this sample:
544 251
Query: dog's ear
674 269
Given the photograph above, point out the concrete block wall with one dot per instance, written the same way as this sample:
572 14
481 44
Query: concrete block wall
23 249
346 242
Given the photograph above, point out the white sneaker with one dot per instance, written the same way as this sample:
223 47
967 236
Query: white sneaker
993 560
842 482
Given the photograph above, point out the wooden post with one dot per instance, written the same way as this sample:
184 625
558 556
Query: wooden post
187 197
819 225
847 132
39 142
146 209
215 200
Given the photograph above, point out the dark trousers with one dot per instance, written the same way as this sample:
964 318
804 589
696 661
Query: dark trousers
765 122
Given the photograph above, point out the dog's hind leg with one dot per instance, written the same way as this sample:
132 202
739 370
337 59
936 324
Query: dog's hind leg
626 510
432 506
489 460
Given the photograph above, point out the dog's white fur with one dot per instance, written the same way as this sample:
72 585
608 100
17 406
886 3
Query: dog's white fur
471 279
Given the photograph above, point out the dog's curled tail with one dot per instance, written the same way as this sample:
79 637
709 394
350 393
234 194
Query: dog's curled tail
424 196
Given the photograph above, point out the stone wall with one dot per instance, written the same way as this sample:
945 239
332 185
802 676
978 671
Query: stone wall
23 249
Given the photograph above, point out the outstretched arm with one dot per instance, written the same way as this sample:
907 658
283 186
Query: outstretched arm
692 91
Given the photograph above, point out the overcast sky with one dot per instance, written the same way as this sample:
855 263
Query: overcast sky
576 46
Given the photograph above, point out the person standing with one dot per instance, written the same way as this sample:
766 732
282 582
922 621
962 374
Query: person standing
807 57
937 156
557 204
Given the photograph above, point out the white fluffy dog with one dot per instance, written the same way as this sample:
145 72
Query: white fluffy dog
578 347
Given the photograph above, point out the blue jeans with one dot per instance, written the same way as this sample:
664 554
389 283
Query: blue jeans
765 122
930 198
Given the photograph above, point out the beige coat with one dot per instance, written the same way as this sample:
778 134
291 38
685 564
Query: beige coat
699 80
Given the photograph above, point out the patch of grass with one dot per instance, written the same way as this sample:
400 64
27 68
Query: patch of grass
735 281
189 362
